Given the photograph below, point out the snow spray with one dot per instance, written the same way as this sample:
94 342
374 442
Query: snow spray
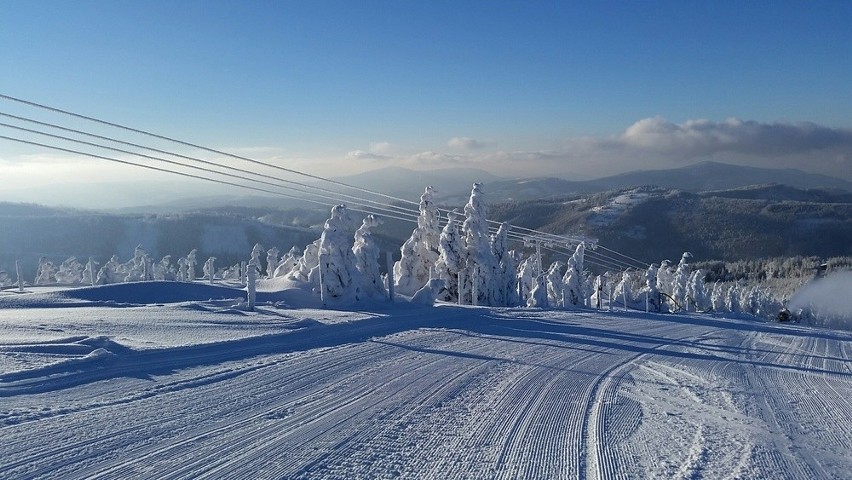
826 300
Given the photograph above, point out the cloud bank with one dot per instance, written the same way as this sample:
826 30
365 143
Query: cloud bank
652 143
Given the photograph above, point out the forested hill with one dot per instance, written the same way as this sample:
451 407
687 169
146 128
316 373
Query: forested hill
652 223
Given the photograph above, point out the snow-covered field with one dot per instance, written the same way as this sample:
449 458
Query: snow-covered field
168 380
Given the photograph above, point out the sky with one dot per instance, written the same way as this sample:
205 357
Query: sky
576 90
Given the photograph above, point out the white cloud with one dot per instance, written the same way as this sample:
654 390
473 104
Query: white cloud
381 147
465 143
370 156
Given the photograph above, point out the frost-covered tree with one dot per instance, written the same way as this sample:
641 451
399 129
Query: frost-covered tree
134 270
164 270
573 280
624 292
696 291
538 295
717 298
680 280
505 278
90 273
527 274
410 272
450 258
366 253
732 300
46 273
70 272
650 288
307 263
420 252
287 262
555 285
256 252
191 262
271 262
108 273
479 262
339 277
665 277
209 269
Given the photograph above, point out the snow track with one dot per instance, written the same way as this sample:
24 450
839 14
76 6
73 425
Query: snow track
436 393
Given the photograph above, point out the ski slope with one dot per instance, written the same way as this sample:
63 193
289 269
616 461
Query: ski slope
160 381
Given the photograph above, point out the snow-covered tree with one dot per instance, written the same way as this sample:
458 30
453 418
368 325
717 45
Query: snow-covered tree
46 273
209 269
90 273
288 262
70 272
191 262
307 263
366 254
479 262
696 291
421 251
573 280
717 298
108 273
410 272
505 278
650 288
732 300
680 281
665 277
256 252
339 277
450 258
527 274
555 285
538 295
271 262
164 270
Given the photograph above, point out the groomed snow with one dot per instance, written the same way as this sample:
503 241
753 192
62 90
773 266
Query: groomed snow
169 380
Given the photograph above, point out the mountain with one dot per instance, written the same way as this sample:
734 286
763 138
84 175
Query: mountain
700 177
652 223
409 184
706 176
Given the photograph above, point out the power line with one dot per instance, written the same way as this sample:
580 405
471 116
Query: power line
389 210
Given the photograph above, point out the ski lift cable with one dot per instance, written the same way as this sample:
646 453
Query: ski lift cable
184 174
194 159
252 161
200 147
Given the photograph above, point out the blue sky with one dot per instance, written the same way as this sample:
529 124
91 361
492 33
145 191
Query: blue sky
516 88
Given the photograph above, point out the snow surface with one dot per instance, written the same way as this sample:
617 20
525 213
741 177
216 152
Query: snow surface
175 380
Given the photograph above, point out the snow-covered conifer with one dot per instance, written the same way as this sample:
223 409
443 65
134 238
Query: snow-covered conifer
665 277
288 262
450 258
555 285
717 298
505 281
90 273
527 274
479 261
70 272
538 295
696 291
420 252
573 279
307 263
338 275
256 252
46 273
650 288
271 262
366 254
680 280
209 269
191 262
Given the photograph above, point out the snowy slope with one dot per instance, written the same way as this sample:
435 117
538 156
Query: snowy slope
153 388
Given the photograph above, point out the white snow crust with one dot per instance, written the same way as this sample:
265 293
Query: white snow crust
178 380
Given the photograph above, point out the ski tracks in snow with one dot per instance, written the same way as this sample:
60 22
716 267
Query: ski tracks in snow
449 393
